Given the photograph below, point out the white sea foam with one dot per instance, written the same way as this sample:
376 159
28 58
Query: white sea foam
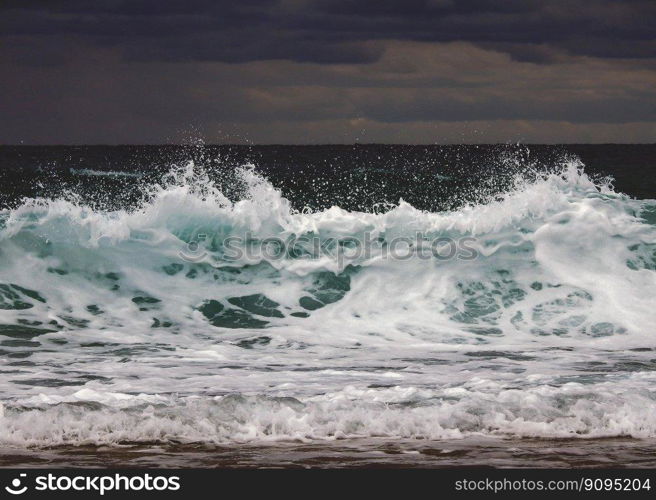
482 408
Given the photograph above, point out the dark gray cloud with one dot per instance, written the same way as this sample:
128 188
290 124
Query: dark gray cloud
327 70
327 31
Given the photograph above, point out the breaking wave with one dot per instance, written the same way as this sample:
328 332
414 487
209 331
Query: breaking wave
134 326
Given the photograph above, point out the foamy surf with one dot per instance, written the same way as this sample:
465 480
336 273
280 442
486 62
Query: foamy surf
133 326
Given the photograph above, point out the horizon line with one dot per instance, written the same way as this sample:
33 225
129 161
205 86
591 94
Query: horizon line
341 144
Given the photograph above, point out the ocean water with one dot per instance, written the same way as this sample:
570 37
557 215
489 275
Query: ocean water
127 320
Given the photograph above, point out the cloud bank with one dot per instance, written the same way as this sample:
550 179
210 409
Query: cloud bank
320 71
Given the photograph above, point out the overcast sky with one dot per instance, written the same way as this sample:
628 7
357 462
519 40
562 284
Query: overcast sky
327 71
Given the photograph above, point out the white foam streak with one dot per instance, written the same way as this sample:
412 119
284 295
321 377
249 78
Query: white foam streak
490 410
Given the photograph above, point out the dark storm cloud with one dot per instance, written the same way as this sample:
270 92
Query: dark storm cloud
111 71
328 31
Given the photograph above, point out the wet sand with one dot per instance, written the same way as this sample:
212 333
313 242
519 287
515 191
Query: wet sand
369 453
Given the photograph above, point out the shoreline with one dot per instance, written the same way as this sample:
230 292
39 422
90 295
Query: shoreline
349 453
